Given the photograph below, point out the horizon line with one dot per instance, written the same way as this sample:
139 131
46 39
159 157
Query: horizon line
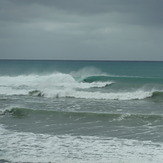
83 60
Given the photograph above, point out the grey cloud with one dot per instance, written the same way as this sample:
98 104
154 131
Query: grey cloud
86 29
144 12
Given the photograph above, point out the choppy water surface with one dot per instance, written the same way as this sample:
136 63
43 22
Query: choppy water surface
73 111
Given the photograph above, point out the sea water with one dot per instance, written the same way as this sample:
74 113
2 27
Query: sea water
81 111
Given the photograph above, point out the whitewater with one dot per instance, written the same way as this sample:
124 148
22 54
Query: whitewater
65 85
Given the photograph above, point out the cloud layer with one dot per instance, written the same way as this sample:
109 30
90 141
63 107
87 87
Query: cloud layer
87 29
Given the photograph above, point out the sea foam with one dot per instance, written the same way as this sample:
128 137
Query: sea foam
51 82
44 148
64 85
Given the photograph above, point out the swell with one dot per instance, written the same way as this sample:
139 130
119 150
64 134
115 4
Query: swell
90 116
137 79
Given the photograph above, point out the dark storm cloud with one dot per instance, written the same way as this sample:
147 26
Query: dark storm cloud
145 12
81 29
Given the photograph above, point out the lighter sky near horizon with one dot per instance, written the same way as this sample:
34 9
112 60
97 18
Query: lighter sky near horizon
81 29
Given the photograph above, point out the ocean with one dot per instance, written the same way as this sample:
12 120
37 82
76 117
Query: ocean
81 111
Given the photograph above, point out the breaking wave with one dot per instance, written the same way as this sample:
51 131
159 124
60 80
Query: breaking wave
137 95
60 85
10 85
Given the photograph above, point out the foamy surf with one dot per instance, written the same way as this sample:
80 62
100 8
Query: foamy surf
136 95
64 85
57 81
43 148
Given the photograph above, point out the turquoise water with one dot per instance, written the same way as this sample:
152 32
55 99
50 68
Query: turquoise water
81 111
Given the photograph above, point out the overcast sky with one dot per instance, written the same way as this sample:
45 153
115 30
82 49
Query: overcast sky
81 29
